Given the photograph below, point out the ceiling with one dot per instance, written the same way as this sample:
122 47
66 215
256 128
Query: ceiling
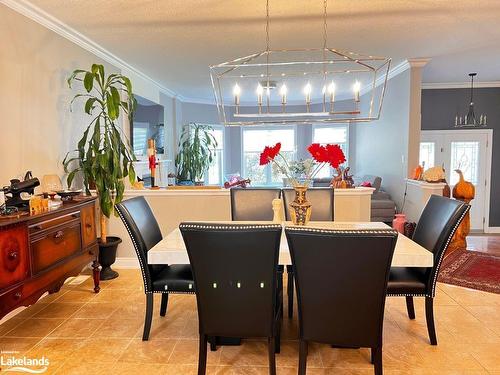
174 41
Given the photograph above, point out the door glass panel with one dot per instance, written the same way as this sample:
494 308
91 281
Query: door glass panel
465 156
427 154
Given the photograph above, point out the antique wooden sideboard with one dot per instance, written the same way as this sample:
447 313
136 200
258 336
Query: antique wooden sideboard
38 253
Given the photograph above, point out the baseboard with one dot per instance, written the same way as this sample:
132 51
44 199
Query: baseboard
126 262
492 230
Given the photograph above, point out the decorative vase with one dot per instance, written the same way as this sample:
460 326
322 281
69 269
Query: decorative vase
107 256
300 209
399 223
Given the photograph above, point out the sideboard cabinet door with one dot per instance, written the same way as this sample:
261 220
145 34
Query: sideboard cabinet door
14 259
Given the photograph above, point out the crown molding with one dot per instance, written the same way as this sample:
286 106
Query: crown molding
459 85
418 62
43 18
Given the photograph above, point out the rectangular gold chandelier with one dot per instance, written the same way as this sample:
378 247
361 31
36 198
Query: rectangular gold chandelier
300 86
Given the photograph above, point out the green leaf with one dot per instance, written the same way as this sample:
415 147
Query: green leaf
71 176
116 96
89 105
73 75
112 111
88 81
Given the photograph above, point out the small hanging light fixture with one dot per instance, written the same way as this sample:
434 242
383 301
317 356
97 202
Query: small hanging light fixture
470 120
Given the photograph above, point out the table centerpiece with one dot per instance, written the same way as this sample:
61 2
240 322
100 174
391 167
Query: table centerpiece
301 173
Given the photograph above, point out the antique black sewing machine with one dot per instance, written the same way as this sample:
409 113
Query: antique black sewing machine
13 192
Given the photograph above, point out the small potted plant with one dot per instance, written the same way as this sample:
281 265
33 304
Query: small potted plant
103 155
197 147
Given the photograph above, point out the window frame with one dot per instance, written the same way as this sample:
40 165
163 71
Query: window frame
269 182
345 125
221 174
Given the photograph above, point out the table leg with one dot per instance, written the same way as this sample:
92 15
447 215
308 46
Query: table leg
96 273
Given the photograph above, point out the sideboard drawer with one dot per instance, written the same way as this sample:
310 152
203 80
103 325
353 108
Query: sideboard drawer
55 245
14 259
53 222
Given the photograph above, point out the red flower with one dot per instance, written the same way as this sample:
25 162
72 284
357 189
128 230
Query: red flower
335 155
269 153
318 152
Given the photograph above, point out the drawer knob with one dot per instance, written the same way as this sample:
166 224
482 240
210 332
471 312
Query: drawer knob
59 234
13 255
88 225
18 295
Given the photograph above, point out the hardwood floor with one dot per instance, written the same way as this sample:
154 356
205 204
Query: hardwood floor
80 332
489 244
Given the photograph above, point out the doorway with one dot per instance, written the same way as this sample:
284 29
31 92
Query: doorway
468 150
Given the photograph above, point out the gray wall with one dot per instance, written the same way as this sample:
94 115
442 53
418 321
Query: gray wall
381 147
439 108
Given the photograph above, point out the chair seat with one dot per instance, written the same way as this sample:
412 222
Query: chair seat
407 280
172 278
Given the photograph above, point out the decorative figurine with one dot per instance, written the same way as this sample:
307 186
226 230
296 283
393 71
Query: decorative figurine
152 161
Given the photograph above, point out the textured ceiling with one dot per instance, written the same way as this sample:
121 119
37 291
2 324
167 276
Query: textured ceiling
174 41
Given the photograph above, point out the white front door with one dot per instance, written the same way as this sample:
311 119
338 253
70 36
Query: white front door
467 150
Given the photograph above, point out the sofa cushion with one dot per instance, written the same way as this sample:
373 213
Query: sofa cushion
383 204
375 181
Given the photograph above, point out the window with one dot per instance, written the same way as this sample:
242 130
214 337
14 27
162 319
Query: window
333 134
140 136
427 154
253 142
215 173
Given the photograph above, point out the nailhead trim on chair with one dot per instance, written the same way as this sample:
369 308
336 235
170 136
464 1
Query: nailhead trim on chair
230 226
434 282
147 291
433 290
341 231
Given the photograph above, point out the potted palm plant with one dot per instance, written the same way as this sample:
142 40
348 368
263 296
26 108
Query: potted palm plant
197 146
103 155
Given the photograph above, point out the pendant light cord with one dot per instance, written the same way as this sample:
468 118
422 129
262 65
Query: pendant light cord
267 54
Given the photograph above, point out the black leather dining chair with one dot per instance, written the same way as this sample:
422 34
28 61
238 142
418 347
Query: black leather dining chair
144 232
341 279
253 204
321 199
435 229
256 204
235 272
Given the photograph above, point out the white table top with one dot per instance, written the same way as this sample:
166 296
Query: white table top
171 250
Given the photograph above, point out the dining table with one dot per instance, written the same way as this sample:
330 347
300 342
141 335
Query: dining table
407 253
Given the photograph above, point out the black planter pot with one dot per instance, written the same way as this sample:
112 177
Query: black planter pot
107 256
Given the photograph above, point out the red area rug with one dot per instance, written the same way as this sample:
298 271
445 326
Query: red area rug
471 269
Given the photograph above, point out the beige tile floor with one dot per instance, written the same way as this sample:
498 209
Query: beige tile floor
81 332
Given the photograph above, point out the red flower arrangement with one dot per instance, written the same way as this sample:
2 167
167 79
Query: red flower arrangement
331 154
269 153
322 155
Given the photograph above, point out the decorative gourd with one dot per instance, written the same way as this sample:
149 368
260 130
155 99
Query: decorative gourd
434 174
463 190
417 173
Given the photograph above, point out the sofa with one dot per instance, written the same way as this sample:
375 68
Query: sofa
383 207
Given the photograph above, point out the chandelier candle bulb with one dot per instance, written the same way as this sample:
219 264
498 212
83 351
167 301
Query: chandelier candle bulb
237 93
356 88
307 92
260 90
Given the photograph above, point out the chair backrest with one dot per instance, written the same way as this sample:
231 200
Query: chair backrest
321 203
341 279
253 204
143 229
234 269
435 229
